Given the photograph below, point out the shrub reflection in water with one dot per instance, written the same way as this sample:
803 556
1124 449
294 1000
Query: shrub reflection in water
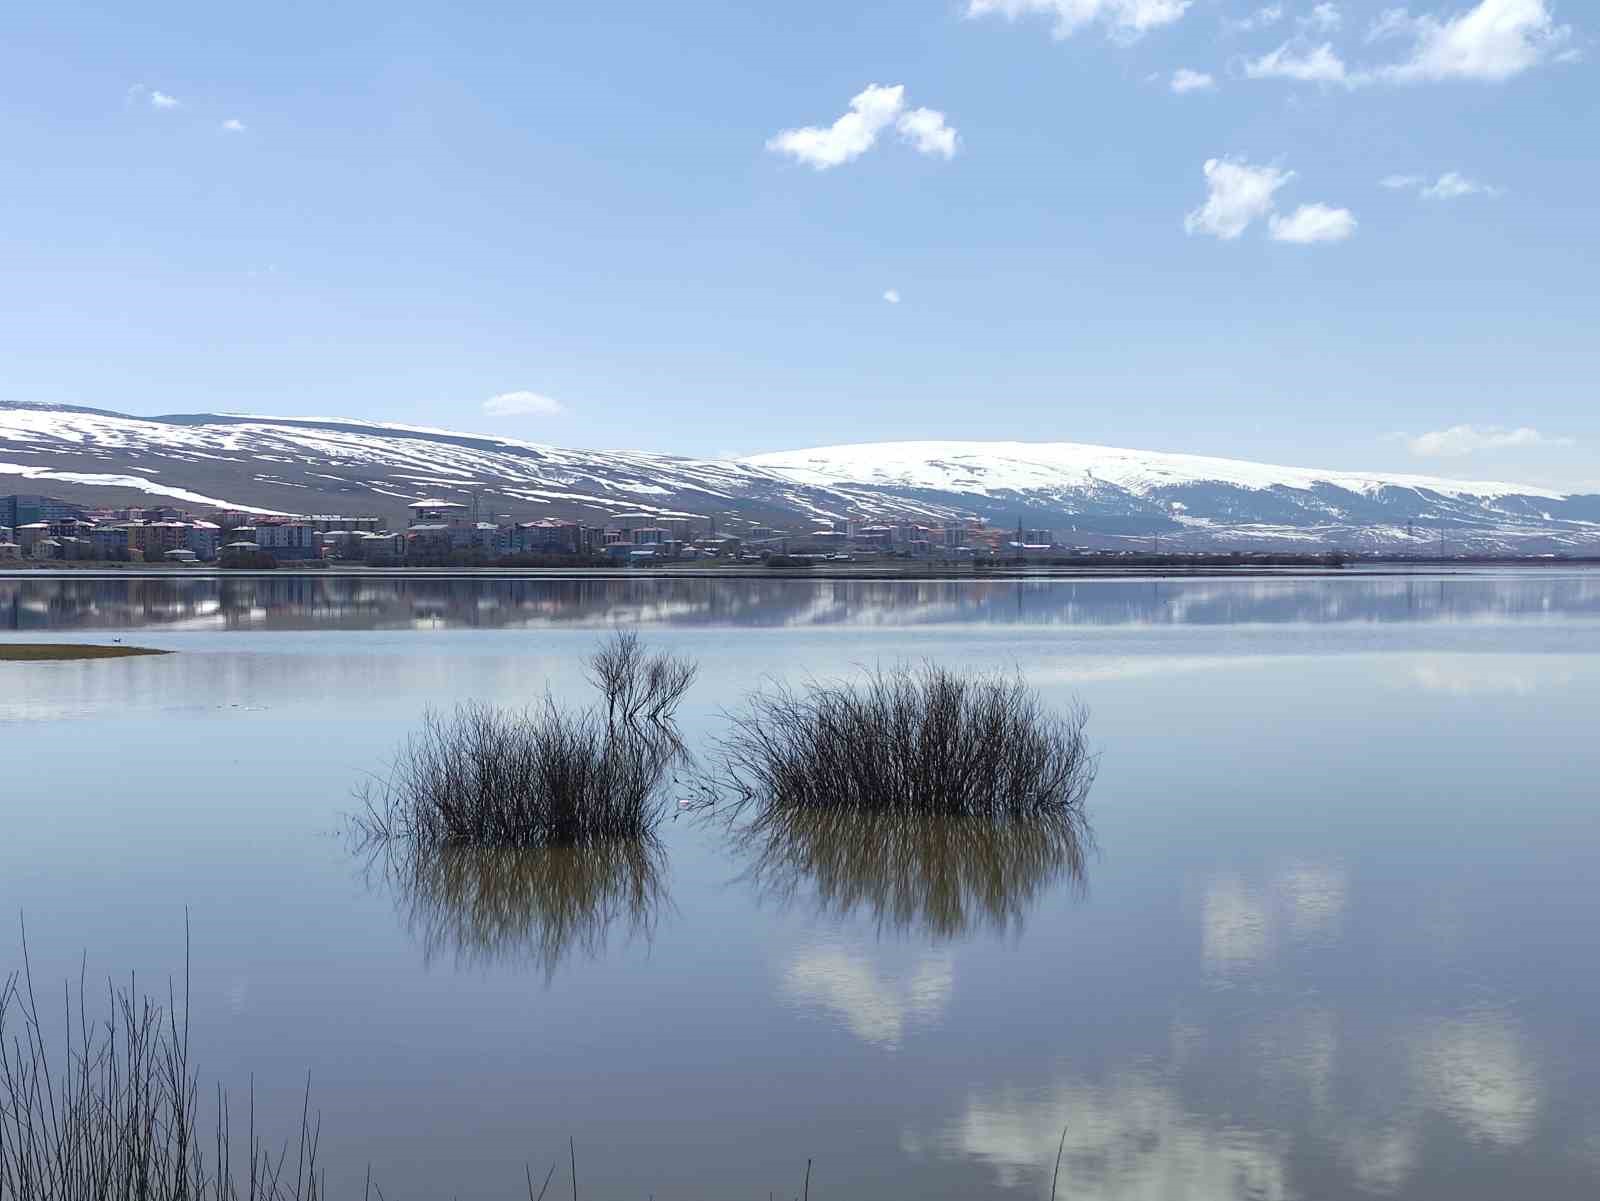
933 875
534 905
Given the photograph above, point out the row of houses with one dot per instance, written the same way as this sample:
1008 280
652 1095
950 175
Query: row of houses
438 529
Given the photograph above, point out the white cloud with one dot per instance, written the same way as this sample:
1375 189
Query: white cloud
522 404
1461 440
925 129
852 135
1238 195
1315 64
1260 19
233 125
1125 20
1490 42
1184 80
892 296
1452 184
152 97
1324 18
1313 223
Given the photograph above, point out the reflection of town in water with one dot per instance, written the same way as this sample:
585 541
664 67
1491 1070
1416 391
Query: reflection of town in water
308 602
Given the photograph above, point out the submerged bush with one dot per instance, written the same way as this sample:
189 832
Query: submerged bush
532 904
486 776
916 740
942 876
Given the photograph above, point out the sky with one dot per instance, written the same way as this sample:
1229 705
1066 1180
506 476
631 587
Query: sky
1336 235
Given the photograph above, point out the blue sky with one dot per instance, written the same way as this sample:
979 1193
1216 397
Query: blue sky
1363 241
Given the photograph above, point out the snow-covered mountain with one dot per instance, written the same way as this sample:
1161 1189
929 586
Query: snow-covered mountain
1196 500
1090 495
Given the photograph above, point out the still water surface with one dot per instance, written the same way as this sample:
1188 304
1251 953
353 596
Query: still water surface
1336 937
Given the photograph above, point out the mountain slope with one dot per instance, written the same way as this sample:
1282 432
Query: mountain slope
1097 496
1195 500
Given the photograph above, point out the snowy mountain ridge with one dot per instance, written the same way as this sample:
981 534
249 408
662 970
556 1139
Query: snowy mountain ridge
1089 495
1020 466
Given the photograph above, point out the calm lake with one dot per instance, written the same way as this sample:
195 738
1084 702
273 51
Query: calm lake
1336 937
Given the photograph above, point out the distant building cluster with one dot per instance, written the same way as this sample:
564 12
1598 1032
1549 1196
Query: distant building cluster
446 531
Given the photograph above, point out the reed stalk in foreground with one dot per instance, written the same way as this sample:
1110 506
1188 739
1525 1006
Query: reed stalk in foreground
117 1117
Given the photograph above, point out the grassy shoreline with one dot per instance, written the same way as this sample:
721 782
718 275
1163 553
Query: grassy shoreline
49 652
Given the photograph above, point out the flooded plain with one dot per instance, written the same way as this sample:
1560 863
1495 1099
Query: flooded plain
1334 936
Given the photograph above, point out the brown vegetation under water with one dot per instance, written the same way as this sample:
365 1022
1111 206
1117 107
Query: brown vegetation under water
42 652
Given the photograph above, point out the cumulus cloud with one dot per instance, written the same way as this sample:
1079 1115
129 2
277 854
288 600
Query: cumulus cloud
1313 223
871 112
1324 18
233 125
1490 42
1307 64
1237 195
1461 440
522 404
1124 20
1453 184
152 97
1271 14
926 130
892 296
1184 80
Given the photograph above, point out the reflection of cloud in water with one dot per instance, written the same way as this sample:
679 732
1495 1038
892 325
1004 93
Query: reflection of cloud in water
1379 1159
1236 930
1476 1069
1314 897
1240 922
1130 1140
876 1005
1464 675
1299 1047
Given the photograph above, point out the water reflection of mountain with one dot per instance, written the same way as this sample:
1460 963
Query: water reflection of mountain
310 602
522 905
941 877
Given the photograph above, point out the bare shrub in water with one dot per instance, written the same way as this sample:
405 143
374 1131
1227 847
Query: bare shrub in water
118 1116
486 776
916 740
638 687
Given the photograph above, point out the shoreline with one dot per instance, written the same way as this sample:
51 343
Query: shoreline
873 573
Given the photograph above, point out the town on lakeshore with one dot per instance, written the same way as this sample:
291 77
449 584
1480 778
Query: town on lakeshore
441 532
